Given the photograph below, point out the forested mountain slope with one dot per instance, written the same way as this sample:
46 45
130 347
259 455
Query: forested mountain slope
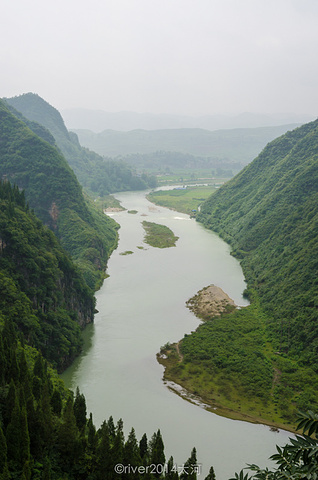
53 191
269 214
44 430
42 292
99 175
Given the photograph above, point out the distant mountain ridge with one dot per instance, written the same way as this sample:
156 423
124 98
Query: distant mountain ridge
238 145
100 120
94 172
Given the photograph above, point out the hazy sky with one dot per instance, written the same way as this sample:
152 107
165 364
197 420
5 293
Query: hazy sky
188 57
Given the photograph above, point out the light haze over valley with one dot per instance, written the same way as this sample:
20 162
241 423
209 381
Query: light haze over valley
158 239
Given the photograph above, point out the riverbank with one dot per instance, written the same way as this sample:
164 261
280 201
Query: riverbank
205 367
171 360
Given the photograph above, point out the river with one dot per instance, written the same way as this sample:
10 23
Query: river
141 307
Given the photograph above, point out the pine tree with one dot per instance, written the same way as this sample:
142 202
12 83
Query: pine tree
211 475
91 433
157 456
3 364
56 402
9 403
80 410
44 416
190 467
143 447
3 451
105 465
117 450
131 455
17 437
13 367
111 428
171 470
67 436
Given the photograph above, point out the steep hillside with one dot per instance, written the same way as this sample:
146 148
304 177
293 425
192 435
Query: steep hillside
53 191
99 175
269 213
42 292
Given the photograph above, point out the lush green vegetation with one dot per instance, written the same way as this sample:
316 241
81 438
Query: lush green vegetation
45 433
193 177
186 200
269 214
98 175
159 235
296 460
42 292
107 202
229 362
53 191
44 430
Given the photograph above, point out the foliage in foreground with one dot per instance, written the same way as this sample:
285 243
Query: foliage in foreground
44 430
45 433
298 460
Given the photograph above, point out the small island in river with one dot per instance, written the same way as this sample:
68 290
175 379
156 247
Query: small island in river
159 236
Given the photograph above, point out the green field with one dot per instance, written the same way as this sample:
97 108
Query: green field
186 200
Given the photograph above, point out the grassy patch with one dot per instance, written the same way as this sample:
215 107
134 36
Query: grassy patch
108 202
127 252
184 200
159 235
231 366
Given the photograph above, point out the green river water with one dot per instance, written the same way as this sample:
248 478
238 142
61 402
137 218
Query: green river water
142 307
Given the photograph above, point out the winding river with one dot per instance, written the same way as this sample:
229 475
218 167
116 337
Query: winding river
142 307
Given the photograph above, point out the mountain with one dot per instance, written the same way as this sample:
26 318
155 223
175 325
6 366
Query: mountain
269 214
99 175
42 292
238 145
99 120
53 191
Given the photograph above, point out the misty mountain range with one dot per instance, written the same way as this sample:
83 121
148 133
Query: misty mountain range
99 120
236 145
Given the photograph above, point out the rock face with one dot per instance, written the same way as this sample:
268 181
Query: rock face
210 302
